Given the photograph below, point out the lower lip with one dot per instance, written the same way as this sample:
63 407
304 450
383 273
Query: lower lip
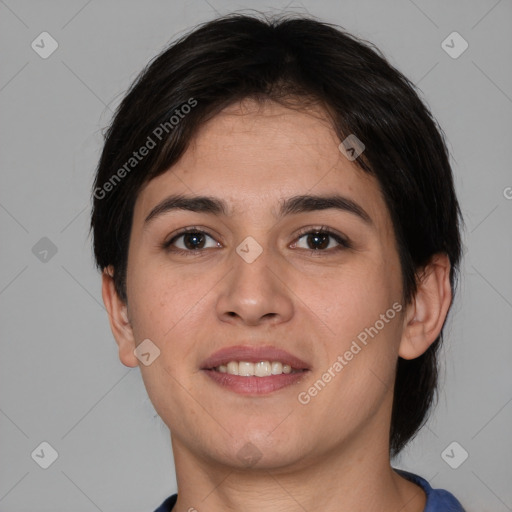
255 385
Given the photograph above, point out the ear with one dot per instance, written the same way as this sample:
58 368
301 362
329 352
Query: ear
426 314
119 322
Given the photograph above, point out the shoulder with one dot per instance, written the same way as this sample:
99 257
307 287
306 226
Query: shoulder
168 504
438 500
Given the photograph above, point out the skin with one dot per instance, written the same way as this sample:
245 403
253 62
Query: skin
331 454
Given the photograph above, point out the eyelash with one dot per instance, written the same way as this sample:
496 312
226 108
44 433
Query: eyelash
322 230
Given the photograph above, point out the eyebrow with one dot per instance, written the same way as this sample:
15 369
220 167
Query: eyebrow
289 206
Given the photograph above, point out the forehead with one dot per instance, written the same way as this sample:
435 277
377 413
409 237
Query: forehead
250 139
254 155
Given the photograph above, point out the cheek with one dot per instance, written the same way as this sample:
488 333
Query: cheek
165 301
359 307
352 297
165 306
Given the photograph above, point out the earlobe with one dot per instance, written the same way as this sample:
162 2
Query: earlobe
119 321
426 314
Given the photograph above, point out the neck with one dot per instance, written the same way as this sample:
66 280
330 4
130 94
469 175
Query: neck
348 479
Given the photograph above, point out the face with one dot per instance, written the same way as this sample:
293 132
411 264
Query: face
307 280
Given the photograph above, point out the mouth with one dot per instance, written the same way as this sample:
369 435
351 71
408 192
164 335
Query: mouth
259 369
251 370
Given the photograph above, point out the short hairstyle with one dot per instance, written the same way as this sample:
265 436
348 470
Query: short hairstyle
295 61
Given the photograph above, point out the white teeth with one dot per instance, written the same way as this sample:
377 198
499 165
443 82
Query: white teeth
245 369
260 369
232 368
277 368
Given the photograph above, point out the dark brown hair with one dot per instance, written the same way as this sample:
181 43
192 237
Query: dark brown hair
295 61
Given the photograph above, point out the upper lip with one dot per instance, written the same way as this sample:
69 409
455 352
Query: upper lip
253 354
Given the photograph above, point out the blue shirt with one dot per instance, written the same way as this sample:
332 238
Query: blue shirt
438 500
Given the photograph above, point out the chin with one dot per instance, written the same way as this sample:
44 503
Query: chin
261 449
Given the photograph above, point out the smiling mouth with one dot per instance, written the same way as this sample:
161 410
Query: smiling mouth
259 369
254 370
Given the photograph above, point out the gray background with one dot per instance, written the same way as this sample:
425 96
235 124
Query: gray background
61 380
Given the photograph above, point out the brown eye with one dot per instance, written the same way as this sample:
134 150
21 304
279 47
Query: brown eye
189 241
194 240
322 240
318 240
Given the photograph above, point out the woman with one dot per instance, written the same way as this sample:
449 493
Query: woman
276 222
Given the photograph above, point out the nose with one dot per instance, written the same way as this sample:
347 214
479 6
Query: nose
255 292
